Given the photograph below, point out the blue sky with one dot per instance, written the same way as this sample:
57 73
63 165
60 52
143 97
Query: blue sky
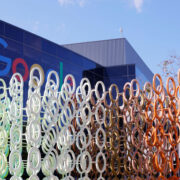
151 26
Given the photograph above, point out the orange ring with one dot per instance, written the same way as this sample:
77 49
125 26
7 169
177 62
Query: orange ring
157 167
171 163
140 101
146 89
178 126
176 93
167 87
178 99
160 128
170 115
132 90
147 111
172 142
165 146
154 84
178 76
155 108
153 136
162 95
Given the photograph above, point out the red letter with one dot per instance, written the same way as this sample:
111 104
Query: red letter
21 61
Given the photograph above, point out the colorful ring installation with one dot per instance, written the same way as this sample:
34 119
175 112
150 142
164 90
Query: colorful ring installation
88 133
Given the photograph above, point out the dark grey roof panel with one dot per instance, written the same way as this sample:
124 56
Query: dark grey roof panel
105 53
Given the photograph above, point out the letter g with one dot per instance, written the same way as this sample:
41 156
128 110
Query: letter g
7 60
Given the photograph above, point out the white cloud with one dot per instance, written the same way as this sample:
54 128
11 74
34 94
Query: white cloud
138 5
81 3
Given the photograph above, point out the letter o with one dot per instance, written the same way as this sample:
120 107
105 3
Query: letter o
23 62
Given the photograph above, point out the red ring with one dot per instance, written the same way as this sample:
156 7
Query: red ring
20 61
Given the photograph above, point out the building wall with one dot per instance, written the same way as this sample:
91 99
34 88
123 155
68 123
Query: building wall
118 75
143 73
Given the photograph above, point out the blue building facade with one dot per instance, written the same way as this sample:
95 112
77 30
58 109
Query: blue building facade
112 61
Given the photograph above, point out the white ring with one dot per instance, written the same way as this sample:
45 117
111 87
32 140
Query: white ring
100 146
99 83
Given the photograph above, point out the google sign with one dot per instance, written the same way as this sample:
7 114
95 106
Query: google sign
14 63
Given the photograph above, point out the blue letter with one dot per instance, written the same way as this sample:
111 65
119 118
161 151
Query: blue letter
5 59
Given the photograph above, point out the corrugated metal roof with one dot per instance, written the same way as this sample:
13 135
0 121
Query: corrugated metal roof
105 53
